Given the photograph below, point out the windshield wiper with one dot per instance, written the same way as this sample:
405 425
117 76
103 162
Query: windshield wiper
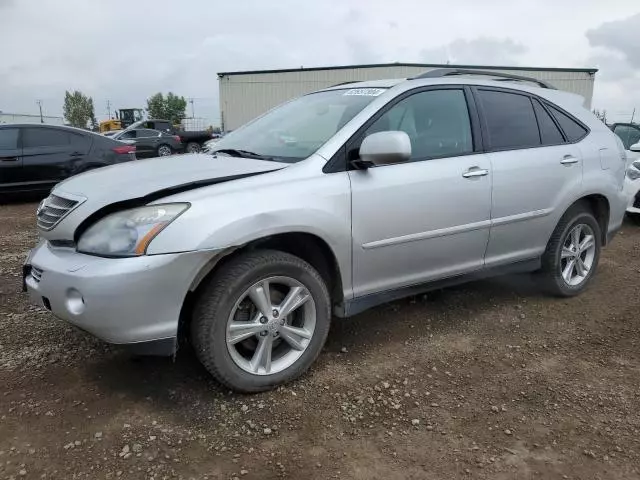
233 152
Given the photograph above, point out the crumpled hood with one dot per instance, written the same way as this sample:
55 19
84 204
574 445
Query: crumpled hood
143 178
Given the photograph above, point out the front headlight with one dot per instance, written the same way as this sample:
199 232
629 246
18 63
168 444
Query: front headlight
128 233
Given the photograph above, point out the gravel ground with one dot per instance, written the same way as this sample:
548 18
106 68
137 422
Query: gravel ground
489 380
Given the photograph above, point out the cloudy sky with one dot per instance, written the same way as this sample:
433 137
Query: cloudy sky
124 51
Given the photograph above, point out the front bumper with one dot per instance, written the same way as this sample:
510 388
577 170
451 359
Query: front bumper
120 300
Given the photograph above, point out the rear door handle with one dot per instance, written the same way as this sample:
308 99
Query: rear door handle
568 160
475 172
9 159
75 154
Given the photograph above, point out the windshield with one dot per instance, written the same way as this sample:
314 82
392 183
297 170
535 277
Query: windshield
297 129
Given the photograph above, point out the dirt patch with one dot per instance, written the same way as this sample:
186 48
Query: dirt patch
491 380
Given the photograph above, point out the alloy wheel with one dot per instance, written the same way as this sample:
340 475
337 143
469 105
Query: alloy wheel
164 151
578 254
271 325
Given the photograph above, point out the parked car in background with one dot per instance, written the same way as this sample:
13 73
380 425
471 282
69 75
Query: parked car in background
382 189
629 133
151 143
35 157
192 141
632 184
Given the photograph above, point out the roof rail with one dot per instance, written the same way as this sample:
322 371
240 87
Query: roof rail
446 72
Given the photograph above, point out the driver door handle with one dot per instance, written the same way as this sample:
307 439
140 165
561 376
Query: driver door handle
475 172
568 160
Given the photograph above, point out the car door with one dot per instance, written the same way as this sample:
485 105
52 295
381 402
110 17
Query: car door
535 167
147 142
427 218
47 155
11 175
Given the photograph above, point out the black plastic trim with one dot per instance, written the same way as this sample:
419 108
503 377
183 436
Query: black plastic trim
397 64
360 304
447 72
165 347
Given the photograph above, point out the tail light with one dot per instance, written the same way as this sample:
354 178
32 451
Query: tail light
124 149
177 138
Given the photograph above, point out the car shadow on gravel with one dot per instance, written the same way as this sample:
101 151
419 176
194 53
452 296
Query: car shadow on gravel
393 322
168 381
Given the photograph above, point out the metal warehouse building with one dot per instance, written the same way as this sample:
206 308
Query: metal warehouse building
245 95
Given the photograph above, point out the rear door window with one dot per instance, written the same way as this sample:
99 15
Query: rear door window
8 138
509 119
44 137
550 134
128 135
146 133
572 129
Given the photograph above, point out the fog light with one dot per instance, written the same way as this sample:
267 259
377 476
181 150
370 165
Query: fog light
74 302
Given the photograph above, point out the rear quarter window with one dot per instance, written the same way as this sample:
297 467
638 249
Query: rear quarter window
571 128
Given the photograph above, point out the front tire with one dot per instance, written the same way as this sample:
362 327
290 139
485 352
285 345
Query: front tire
193 147
572 254
261 321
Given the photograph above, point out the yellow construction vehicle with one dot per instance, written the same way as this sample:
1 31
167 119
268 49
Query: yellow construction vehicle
124 118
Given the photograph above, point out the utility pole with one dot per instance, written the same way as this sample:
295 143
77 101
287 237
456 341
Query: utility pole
39 102
193 113
633 114
109 109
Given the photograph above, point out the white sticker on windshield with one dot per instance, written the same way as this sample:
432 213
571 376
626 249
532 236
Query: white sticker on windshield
365 92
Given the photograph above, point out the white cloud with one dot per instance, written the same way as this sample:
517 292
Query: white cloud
125 51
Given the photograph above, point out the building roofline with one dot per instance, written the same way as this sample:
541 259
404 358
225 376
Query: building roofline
425 65
2 112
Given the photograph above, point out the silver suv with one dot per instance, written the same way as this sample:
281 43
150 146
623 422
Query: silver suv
330 204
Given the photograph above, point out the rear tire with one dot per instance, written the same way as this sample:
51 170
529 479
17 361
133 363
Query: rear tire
229 329
572 254
193 147
164 150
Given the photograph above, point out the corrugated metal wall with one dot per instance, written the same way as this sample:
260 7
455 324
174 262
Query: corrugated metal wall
245 96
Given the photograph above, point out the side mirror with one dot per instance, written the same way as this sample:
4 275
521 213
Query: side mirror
635 147
385 148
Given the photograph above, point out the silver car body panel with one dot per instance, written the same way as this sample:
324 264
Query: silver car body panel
125 300
388 227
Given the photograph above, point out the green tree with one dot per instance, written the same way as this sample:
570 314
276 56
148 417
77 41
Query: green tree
172 107
78 110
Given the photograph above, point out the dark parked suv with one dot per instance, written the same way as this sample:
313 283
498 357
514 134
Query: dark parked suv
35 157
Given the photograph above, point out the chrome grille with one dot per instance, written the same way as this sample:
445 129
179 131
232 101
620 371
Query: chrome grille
53 209
36 273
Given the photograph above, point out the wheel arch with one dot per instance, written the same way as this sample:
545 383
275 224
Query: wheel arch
599 205
308 246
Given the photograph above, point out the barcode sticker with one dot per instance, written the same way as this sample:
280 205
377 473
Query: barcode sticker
365 92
